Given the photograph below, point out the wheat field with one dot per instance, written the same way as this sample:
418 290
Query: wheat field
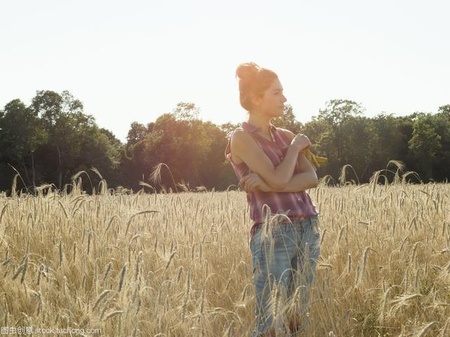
166 264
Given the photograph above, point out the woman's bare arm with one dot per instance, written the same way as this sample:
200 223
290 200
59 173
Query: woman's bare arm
305 179
244 148
301 181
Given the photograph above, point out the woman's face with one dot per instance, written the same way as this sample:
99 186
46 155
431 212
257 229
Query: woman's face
272 101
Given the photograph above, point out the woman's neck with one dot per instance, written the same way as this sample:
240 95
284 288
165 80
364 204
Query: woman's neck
261 123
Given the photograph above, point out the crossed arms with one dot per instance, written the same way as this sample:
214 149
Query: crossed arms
265 176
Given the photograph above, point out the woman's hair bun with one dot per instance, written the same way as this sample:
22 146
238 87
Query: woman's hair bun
253 81
247 70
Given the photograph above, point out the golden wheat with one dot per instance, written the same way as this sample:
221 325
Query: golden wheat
137 264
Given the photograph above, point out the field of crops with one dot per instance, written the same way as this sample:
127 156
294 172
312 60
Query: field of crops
121 264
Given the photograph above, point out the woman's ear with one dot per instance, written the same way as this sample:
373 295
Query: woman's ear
256 99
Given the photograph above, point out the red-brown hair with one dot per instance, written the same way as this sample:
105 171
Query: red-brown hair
253 81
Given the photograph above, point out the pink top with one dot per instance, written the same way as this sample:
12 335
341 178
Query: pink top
296 205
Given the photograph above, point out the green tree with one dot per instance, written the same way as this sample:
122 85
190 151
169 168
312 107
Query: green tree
355 138
338 110
445 110
21 134
75 142
184 148
288 120
133 167
137 133
441 170
55 111
229 127
425 144
214 170
179 144
389 138
100 150
341 117
186 112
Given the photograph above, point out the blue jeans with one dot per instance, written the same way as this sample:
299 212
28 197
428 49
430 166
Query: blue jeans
284 258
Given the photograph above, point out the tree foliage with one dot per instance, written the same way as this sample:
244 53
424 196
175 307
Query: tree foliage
52 139
430 144
21 134
288 120
190 149
421 141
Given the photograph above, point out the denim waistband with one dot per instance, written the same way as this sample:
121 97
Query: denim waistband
299 221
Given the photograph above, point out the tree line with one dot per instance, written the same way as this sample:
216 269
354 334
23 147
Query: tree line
53 143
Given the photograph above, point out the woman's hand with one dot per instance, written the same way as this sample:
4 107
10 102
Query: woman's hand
301 141
252 182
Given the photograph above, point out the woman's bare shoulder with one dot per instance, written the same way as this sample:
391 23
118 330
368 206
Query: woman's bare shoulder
240 141
239 135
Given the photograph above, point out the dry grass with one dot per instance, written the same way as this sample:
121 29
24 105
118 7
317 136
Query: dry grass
179 264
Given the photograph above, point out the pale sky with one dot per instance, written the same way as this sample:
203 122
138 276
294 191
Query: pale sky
135 60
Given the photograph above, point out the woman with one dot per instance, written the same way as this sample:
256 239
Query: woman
285 236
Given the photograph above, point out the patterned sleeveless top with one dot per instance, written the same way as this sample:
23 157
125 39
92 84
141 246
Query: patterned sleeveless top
295 205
